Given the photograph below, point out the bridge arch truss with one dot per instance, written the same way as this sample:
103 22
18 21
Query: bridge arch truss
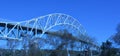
36 28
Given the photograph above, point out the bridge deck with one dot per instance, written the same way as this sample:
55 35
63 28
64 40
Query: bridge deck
10 26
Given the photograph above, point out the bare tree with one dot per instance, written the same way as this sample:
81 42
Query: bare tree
12 44
116 37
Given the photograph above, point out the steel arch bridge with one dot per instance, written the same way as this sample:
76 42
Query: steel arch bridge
42 27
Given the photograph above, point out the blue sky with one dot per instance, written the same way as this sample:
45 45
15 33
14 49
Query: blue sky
99 17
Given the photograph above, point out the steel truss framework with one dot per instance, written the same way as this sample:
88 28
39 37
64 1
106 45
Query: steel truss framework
38 27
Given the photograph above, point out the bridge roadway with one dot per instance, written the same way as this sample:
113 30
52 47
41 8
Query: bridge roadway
10 26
